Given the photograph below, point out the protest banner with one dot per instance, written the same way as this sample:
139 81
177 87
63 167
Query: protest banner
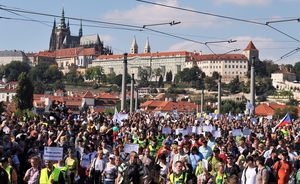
131 147
53 153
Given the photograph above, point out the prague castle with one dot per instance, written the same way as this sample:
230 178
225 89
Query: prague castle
61 38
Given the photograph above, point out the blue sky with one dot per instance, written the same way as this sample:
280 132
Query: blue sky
34 36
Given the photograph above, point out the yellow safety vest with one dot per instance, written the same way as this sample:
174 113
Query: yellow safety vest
142 143
63 169
153 150
8 170
182 179
44 179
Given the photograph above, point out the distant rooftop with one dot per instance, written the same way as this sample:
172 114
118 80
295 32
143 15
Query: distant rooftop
11 53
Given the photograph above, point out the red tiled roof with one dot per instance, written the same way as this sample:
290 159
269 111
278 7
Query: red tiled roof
157 54
147 103
214 57
250 46
88 94
268 109
170 106
264 110
107 96
69 52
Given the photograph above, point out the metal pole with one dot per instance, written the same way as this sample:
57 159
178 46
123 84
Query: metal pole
202 101
123 99
219 95
131 93
136 99
252 86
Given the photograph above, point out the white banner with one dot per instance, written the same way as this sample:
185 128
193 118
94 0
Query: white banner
53 153
131 147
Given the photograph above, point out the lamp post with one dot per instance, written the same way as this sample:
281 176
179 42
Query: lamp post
252 87
136 99
123 98
131 93
219 94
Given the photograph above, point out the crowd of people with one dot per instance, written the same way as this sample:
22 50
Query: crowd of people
97 148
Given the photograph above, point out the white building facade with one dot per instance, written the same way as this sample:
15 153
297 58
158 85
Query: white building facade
8 56
166 61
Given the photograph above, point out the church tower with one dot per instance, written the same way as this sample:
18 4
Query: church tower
134 47
147 48
251 51
59 33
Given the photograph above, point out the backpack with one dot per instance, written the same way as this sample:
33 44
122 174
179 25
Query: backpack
272 176
130 173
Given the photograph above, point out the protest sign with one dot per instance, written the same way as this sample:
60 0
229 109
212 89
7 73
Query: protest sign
237 132
246 131
53 153
131 147
166 131
216 133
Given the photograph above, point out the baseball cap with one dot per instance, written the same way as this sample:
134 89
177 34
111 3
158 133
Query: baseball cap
111 156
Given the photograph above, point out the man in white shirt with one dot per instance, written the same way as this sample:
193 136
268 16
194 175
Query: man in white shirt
250 171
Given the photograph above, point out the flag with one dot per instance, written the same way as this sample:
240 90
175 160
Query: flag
285 120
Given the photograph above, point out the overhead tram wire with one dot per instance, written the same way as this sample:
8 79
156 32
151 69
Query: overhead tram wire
283 33
224 17
283 20
290 53
28 18
201 12
5 8
71 18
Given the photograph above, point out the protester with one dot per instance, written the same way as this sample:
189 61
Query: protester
50 174
225 142
32 175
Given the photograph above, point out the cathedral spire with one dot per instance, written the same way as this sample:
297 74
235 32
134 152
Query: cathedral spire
54 25
62 19
147 48
53 37
134 47
80 29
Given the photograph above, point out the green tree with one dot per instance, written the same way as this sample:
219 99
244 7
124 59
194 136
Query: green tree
215 75
234 85
118 80
232 106
292 110
297 70
96 74
169 76
210 84
144 74
24 93
160 81
14 69
72 77
157 73
270 67
110 78
264 86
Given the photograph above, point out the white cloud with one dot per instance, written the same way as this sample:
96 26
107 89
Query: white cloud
107 39
144 14
243 2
